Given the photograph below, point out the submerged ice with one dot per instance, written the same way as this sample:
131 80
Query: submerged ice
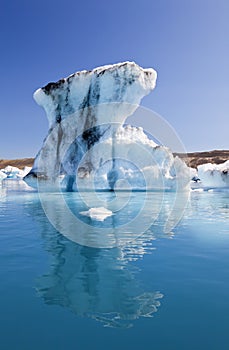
88 146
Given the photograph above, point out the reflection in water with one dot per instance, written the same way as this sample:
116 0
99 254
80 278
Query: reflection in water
215 205
102 283
96 283
2 193
15 185
99 283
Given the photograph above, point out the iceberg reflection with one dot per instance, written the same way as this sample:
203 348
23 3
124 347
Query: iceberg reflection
95 283
99 283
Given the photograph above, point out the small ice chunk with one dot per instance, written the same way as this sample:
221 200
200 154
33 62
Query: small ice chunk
197 190
99 214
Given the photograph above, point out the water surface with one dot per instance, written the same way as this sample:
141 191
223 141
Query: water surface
159 291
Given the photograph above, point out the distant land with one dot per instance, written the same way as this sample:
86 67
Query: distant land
192 159
19 163
197 158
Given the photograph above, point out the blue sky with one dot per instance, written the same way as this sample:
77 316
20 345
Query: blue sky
185 41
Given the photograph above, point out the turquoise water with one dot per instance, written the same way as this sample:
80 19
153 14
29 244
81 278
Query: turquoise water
160 291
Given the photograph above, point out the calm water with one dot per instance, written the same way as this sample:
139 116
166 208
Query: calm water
160 291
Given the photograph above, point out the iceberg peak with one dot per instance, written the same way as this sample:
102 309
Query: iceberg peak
88 146
121 82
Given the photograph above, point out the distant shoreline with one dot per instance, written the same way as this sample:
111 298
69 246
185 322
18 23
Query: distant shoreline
19 163
192 159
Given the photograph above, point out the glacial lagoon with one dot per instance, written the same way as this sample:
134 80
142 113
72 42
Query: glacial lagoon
155 290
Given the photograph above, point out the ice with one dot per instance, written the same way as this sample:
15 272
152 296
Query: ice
214 175
198 190
11 172
25 171
89 147
2 175
121 82
99 214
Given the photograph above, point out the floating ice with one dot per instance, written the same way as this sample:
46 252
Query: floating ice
197 190
99 214
214 175
88 147
12 172
25 171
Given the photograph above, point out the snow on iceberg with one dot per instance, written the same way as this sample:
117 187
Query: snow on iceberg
214 175
88 146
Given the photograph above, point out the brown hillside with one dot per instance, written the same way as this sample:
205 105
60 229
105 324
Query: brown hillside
198 158
19 163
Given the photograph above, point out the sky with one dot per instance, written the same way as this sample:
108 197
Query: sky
186 42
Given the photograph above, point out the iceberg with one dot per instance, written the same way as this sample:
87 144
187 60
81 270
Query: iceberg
25 171
11 172
214 175
89 147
